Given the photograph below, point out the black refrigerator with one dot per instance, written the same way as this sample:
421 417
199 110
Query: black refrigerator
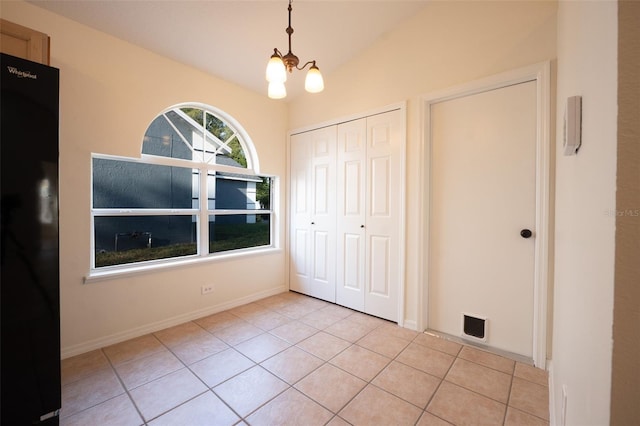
29 251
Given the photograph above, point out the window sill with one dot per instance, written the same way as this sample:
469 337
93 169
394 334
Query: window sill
111 273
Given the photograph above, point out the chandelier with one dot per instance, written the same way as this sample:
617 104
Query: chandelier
279 64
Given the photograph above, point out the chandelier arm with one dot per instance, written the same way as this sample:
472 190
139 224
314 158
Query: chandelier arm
313 63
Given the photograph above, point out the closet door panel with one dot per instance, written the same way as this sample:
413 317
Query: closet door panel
351 212
300 219
352 272
321 251
321 190
379 266
383 221
323 214
380 192
350 255
301 257
352 185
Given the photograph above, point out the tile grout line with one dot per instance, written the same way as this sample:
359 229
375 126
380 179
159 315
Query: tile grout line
440 383
327 362
258 364
255 364
185 366
244 418
289 385
113 368
370 382
208 389
324 362
504 418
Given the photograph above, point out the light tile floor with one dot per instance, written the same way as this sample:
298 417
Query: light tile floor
294 360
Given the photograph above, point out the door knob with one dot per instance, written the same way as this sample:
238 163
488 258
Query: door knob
361 226
526 233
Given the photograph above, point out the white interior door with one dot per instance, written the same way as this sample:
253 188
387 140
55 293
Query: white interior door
483 194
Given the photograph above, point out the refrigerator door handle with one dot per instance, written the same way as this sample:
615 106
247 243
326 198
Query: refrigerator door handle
50 415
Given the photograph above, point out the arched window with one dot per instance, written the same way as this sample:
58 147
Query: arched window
194 192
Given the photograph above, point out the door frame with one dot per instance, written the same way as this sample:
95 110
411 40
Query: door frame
540 73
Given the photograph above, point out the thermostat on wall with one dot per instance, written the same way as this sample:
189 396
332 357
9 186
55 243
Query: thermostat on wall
572 125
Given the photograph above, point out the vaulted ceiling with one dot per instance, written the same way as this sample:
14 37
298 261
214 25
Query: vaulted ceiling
234 39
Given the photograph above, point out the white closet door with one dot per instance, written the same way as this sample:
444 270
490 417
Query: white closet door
313 213
300 213
383 275
346 234
351 202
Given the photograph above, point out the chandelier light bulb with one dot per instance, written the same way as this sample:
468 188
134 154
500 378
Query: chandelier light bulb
276 71
314 83
277 90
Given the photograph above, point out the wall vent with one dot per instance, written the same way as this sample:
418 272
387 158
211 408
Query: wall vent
474 326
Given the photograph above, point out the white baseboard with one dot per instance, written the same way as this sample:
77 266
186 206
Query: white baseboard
102 342
410 324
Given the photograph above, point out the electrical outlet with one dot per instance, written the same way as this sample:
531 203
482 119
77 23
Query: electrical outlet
207 288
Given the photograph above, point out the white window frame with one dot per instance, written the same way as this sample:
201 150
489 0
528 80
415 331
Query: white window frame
202 213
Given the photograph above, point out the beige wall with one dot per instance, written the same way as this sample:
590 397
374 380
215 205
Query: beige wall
445 44
585 215
109 93
625 386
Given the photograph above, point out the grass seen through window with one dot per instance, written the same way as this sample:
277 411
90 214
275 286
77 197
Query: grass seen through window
227 237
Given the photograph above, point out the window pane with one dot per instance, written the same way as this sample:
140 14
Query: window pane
232 232
194 113
263 193
196 135
230 191
120 240
165 140
218 128
232 154
123 184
